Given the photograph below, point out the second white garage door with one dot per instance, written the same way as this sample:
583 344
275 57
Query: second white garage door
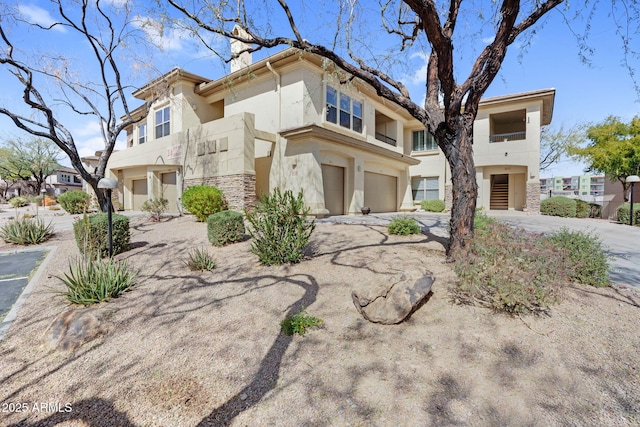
380 192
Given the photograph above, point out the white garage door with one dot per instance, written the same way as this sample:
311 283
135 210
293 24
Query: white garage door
170 191
140 194
380 192
333 186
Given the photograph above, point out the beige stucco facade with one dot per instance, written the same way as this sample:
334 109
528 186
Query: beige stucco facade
288 122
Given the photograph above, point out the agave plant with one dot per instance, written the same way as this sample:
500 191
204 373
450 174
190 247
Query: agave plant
26 231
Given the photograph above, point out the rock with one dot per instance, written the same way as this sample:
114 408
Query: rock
73 328
392 303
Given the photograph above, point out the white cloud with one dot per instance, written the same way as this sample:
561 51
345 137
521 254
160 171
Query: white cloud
37 15
90 128
488 40
165 38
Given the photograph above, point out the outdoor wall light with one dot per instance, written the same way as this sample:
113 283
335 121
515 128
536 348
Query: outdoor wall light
631 179
109 184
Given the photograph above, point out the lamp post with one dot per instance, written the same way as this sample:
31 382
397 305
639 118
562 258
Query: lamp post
631 179
109 184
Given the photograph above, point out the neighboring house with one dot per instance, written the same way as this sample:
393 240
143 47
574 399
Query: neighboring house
587 187
63 179
614 198
291 121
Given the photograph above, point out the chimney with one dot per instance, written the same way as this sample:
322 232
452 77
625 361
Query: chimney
240 60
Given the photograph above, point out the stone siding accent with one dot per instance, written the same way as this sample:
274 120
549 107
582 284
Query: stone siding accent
239 189
533 198
448 196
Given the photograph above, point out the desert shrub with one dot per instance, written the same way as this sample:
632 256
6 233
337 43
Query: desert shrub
200 260
91 281
582 209
403 226
298 323
595 210
508 270
156 207
54 208
586 260
482 222
203 200
623 213
225 227
91 233
432 205
558 206
26 231
18 202
74 201
279 228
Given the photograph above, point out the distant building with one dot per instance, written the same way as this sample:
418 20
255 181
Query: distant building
585 187
62 180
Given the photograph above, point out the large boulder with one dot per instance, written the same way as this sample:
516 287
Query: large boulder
73 328
393 302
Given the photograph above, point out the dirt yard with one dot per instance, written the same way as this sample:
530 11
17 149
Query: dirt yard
186 348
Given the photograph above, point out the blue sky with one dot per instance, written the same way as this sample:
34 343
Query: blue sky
584 93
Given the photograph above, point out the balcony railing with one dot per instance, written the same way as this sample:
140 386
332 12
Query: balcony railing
505 137
385 139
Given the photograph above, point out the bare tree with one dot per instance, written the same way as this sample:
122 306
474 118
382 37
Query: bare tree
556 144
103 98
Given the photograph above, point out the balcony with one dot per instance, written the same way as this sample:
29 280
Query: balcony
506 137
508 126
386 139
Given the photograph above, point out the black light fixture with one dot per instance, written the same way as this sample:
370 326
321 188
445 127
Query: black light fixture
632 180
109 184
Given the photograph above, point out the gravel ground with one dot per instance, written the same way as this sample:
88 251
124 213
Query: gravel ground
186 348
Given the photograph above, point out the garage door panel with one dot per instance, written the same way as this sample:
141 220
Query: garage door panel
380 192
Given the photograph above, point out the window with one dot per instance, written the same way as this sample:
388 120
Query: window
423 141
65 178
425 189
142 133
162 122
350 113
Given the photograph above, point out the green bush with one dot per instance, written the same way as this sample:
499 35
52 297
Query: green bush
203 200
586 260
279 228
582 209
403 226
432 205
225 227
26 231
74 201
299 323
156 207
623 213
92 237
91 281
200 260
18 202
558 206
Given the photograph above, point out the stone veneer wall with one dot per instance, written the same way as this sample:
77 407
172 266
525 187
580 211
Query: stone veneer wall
533 197
448 196
238 189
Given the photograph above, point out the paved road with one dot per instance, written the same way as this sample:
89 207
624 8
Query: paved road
622 241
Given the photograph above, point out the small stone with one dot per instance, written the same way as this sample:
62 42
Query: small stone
243 396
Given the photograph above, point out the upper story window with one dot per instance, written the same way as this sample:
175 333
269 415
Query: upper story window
142 133
423 141
163 122
65 178
350 110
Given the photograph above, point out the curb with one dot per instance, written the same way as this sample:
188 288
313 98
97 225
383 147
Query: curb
13 313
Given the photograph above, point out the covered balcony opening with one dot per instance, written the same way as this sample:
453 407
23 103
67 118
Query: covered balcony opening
386 129
509 126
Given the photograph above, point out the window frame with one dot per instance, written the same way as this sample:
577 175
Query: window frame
338 113
428 144
163 128
142 133
425 190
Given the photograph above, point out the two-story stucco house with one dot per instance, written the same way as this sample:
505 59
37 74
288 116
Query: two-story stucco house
292 121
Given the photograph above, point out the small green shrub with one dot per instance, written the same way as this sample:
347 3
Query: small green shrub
587 261
203 200
623 213
558 206
200 260
279 228
225 227
91 233
26 231
156 207
91 281
299 323
403 226
74 201
18 202
432 205
481 222
582 209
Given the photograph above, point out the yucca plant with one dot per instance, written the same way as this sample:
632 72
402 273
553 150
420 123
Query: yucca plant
92 281
26 231
200 260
